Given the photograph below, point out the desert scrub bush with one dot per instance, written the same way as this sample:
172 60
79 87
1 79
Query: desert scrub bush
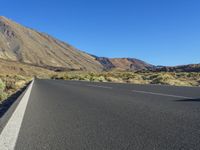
181 75
127 76
3 95
12 83
76 77
169 79
161 78
137 80
114 79
198 82
153 76
98 79
2 85
55 76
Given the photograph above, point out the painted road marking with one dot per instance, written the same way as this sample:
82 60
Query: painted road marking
98 86
162 94
9 134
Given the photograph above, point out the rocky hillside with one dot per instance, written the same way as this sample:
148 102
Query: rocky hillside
182 68
15 68
129 64
25 45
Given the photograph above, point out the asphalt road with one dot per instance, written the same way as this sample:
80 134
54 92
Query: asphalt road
72 115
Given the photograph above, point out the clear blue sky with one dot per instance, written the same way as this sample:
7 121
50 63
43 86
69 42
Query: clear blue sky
161 32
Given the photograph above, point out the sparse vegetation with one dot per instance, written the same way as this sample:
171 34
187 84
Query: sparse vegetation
2 88
166 78
9 84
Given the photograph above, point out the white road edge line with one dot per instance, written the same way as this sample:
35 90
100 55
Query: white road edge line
162 94
9 134
98 86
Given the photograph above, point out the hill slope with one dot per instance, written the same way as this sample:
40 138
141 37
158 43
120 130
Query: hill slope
182 68
130 64
25 45
15 68
22 44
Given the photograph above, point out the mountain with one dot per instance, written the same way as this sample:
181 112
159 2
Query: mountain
105 62
130 64
182 68
25 45
28 46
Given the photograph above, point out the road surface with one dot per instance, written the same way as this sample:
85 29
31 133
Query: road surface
73 115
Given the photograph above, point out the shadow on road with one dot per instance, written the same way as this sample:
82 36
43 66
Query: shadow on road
189 100
5 105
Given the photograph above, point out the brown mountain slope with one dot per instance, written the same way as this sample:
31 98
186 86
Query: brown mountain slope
16 68
129 64
25 45
29 46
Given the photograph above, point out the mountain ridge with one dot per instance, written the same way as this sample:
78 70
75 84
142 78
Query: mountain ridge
26 45
179 68
29 46
130 64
